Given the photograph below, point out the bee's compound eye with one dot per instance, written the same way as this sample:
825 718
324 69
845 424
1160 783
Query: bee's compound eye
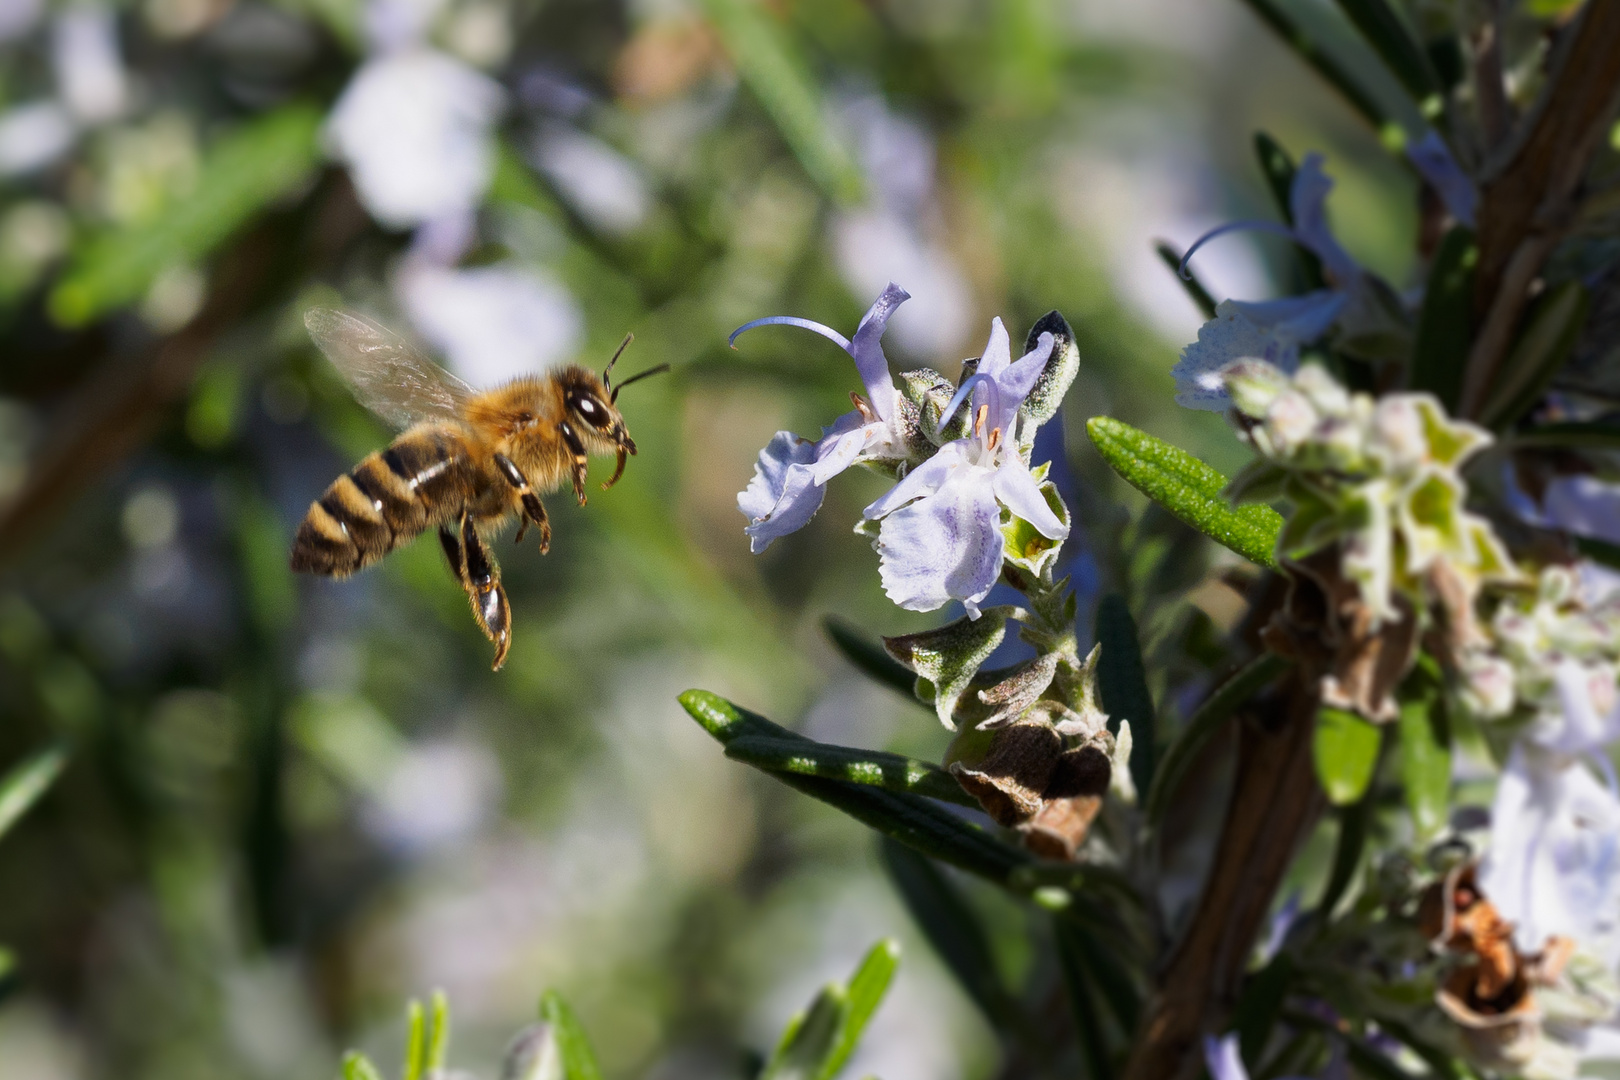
590 410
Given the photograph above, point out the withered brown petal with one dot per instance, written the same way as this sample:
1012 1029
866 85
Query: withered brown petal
1060 828
1085 770
1009 698
1009 780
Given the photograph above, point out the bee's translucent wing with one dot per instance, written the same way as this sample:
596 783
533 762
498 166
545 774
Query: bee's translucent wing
388 375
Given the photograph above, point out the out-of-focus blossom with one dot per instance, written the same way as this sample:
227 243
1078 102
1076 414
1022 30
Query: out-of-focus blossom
393 25
89 68
1580 504
435 793
17 17
1274 330
1432 159
873 246
414 128
32 136
941 537
889 238
602 184
791 475
493 323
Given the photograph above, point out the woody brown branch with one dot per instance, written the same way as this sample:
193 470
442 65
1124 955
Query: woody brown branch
1532 188
1275 803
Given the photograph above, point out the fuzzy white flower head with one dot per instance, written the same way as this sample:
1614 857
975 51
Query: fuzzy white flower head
414 127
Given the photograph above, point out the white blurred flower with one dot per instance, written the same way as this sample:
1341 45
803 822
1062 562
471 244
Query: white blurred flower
33 136
17 17
392 25
414 128
601 183
89 69
874 247
888 239
435 793
493 323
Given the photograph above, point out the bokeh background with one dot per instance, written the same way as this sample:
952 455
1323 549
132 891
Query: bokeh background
291 804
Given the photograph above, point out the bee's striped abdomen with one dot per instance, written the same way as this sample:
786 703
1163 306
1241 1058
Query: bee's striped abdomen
389 498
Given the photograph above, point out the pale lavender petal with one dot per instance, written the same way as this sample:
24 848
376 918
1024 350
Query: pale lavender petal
1231 226
1231 335
1504 875
792 320
1298 319
997 351
1307 200
867 349
945 547
970 384
1433 161
1584 505
841 444
783 496
1015 383
922 481
1019 493
1223 1059
1584 729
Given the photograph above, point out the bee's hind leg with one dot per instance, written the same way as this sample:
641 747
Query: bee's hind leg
480 575
534 511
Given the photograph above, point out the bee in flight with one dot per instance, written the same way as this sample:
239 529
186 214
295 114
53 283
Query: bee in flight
466 462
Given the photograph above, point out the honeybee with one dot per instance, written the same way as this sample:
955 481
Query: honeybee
467 461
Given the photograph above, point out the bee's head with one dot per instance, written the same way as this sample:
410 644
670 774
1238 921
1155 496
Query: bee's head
592 406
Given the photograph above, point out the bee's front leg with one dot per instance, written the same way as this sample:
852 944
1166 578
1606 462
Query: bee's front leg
577 447
533 509
480 575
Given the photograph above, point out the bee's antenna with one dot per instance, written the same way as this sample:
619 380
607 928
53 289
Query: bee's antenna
623 345
637 377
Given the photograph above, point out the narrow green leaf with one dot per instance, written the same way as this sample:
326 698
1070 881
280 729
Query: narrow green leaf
415 1042
870 657
1278 168
1256 1012
1354 821
1188 488
1446 325
22 787
1117 991
1396 45
1199 295
1181 754
356 1066
1367 1061
809 1038
1545 343
1333 69
865 993
1425 763
1346 752
918 822
1600 435
578 1060
1122 682
766 60
1082 999
952 928
876 768
1599 551
244 172
438 1041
